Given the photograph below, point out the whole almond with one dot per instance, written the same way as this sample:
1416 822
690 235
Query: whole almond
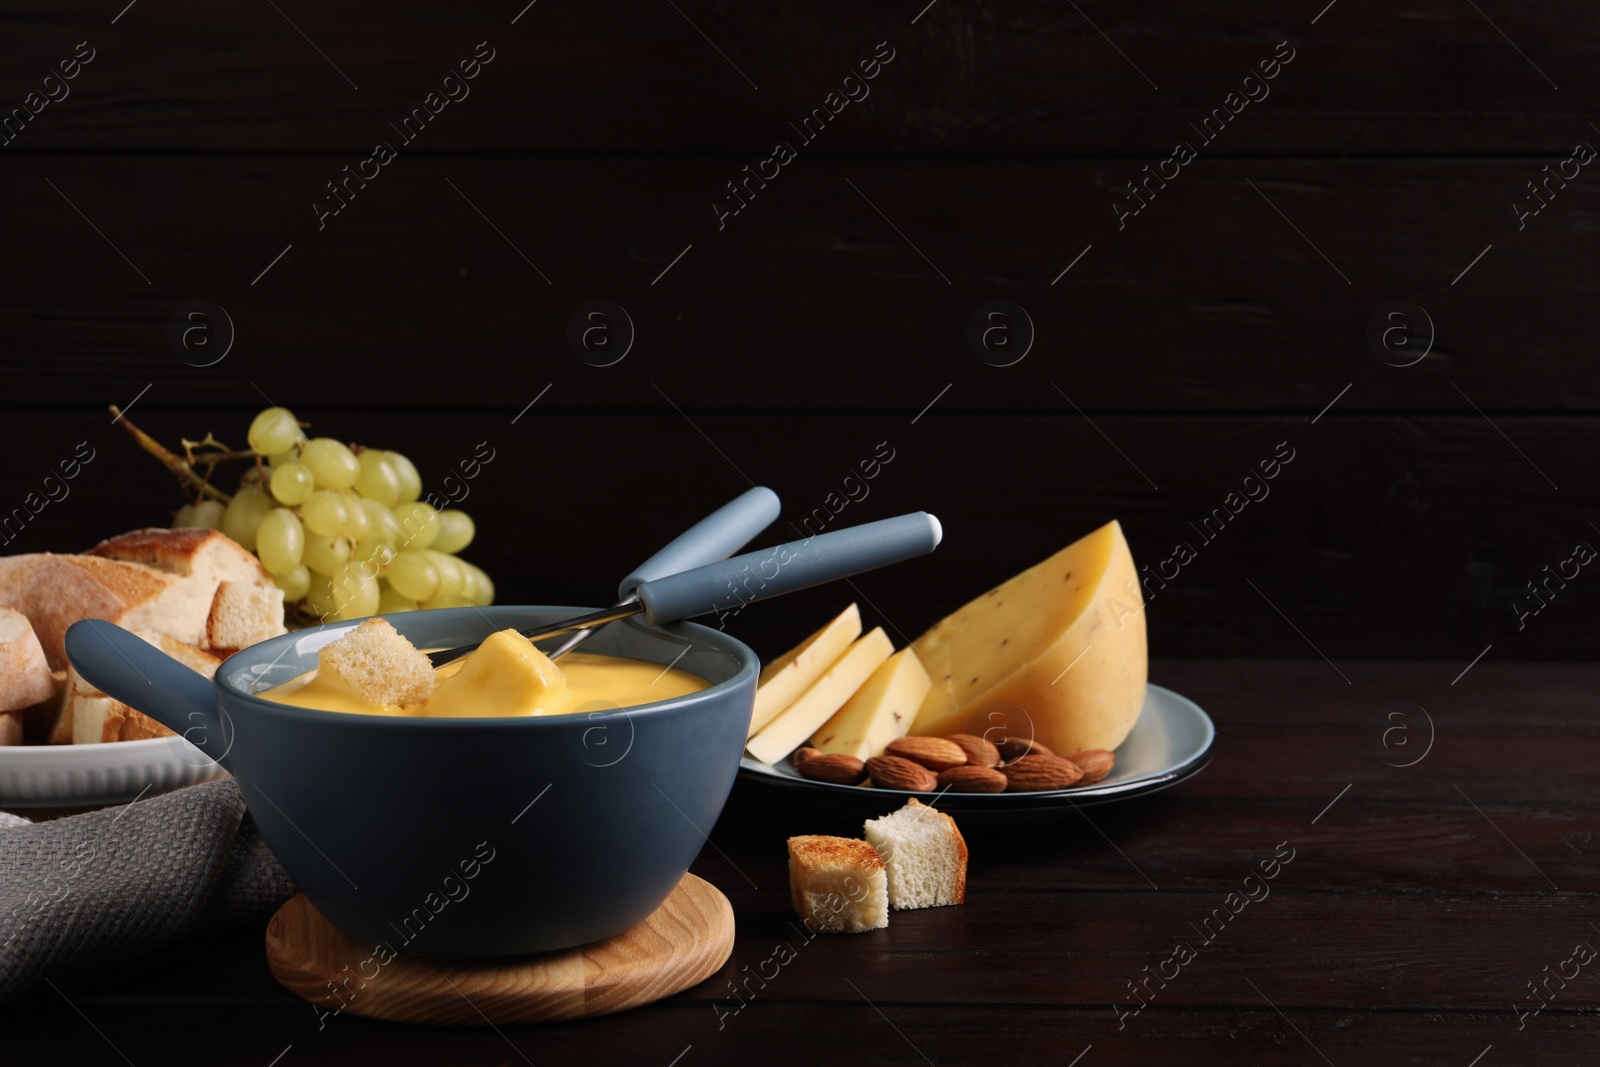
892 772
1095 763
836 767
980 751
970 779
1014 748
802 754
1038 773
934 753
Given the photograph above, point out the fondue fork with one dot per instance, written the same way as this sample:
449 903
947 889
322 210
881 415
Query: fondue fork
732 583
715 537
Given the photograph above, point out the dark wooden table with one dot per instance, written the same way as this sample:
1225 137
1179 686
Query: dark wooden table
1443 844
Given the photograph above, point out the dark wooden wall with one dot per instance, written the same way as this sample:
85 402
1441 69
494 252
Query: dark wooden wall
824 318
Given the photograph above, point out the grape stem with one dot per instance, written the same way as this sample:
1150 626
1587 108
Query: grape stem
217 453
169 459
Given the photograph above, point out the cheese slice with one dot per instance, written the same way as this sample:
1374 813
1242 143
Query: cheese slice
1057 653
787 677
824 697
880 711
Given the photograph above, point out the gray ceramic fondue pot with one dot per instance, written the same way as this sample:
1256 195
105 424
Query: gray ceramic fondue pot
484 837
465 838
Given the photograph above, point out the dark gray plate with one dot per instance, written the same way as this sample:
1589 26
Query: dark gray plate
1171 742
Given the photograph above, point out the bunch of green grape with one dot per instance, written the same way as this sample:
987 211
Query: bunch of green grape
342 531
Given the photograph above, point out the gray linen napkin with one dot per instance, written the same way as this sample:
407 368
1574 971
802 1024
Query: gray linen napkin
89 891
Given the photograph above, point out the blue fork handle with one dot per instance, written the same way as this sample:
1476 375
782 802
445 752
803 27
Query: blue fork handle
769 572
713 538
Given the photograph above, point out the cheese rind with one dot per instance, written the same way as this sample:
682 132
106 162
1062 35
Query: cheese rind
1056 653
825 696
784 679
880 711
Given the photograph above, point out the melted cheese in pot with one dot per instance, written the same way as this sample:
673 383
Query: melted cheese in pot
508 676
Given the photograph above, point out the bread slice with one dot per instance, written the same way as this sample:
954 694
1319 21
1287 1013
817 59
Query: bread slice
193 552
89 716
246 607
76 691
243 613
378 664
24 675
925 854
163 580
39 721
25 678
56 591
837 884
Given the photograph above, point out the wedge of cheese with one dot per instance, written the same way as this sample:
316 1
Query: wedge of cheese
1056 654
880 711
824 697
785 678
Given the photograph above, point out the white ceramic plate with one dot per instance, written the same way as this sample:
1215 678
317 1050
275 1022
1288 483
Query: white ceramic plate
1171 742
66 776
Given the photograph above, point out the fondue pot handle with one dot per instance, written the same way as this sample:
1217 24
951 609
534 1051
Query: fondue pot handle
125 666
727 586
717 536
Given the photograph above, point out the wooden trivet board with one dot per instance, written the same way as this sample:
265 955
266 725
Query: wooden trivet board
681 944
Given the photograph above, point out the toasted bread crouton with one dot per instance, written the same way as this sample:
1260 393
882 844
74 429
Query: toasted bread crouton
925 854
838 884
377 663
